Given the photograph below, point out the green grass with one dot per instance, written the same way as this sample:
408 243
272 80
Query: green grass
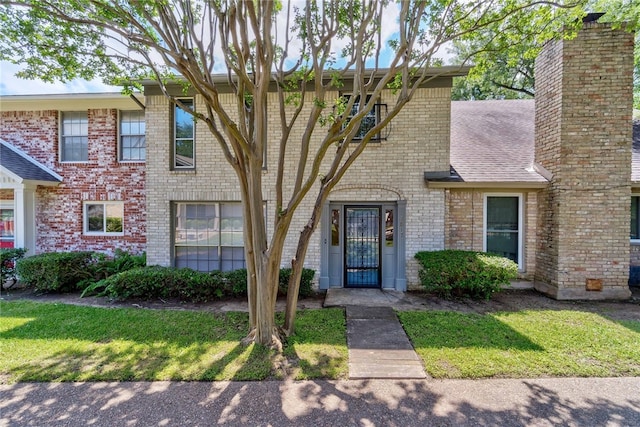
524 344
58 342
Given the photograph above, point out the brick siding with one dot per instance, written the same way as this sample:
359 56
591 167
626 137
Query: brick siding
387 171
583 137
59 216
464 223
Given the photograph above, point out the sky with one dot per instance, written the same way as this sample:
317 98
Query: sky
12 85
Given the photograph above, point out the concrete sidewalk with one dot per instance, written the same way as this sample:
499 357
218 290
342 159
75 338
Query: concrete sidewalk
533 402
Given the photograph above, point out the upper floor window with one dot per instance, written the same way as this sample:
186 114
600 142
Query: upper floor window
104 218
183 136
132 139
371 119
635 217
74 146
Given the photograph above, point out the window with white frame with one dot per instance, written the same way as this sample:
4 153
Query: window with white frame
74 136
635 218
104 218
370 120
208 236
183 136
132 136
503 226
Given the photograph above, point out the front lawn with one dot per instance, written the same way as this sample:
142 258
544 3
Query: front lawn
59 342
533 343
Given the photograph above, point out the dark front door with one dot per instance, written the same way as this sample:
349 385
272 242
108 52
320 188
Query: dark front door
362 247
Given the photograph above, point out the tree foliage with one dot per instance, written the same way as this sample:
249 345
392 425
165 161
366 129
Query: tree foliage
504 61
307 50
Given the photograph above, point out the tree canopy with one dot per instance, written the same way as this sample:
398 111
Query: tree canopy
504 61
307 50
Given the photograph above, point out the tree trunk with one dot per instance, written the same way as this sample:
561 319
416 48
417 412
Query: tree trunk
297 263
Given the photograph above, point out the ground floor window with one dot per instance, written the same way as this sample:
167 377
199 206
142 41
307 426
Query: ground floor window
635 217
104 218
208 236
503 226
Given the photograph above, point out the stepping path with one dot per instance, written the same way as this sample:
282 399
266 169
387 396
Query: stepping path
378 346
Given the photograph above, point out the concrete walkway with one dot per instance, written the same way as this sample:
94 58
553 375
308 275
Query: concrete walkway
378 345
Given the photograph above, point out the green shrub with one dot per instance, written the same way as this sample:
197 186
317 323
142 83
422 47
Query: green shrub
236 282
454 274
56 271
306 279
106 266
184 283
163 282
8 260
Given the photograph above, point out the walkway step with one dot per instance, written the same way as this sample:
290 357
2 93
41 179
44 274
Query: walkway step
378 346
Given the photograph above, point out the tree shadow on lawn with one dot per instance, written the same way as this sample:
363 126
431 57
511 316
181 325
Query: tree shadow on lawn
459 330
94 344
523 344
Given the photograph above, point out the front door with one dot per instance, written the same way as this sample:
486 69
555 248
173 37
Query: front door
362 247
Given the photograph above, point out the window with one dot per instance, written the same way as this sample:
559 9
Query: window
74 145
209 236
502 226
635 217
368 121
132 140
104 218
183 131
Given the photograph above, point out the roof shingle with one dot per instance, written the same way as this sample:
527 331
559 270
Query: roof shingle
23 166
493 141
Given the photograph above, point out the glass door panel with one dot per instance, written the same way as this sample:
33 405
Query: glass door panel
362 247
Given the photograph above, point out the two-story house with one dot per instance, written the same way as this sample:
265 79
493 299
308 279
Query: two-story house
72 173
549 184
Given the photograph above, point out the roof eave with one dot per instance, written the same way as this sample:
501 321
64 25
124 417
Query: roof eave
444 71
537 185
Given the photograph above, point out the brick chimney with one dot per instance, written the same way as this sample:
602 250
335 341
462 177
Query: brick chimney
584 94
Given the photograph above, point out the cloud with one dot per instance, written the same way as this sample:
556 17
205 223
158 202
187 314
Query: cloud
12 85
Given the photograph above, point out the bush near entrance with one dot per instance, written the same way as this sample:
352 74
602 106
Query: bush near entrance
456 274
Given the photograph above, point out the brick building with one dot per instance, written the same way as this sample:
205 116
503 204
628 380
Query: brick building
72 173
548 183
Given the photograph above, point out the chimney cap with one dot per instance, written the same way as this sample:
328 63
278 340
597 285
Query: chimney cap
592 17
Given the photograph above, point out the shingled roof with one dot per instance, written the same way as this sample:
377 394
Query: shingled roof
25 167
493 141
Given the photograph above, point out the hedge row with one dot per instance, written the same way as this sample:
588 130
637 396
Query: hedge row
127 276
187 284
71 271
455 274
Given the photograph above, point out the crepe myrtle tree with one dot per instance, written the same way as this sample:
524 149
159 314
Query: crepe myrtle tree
307 50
